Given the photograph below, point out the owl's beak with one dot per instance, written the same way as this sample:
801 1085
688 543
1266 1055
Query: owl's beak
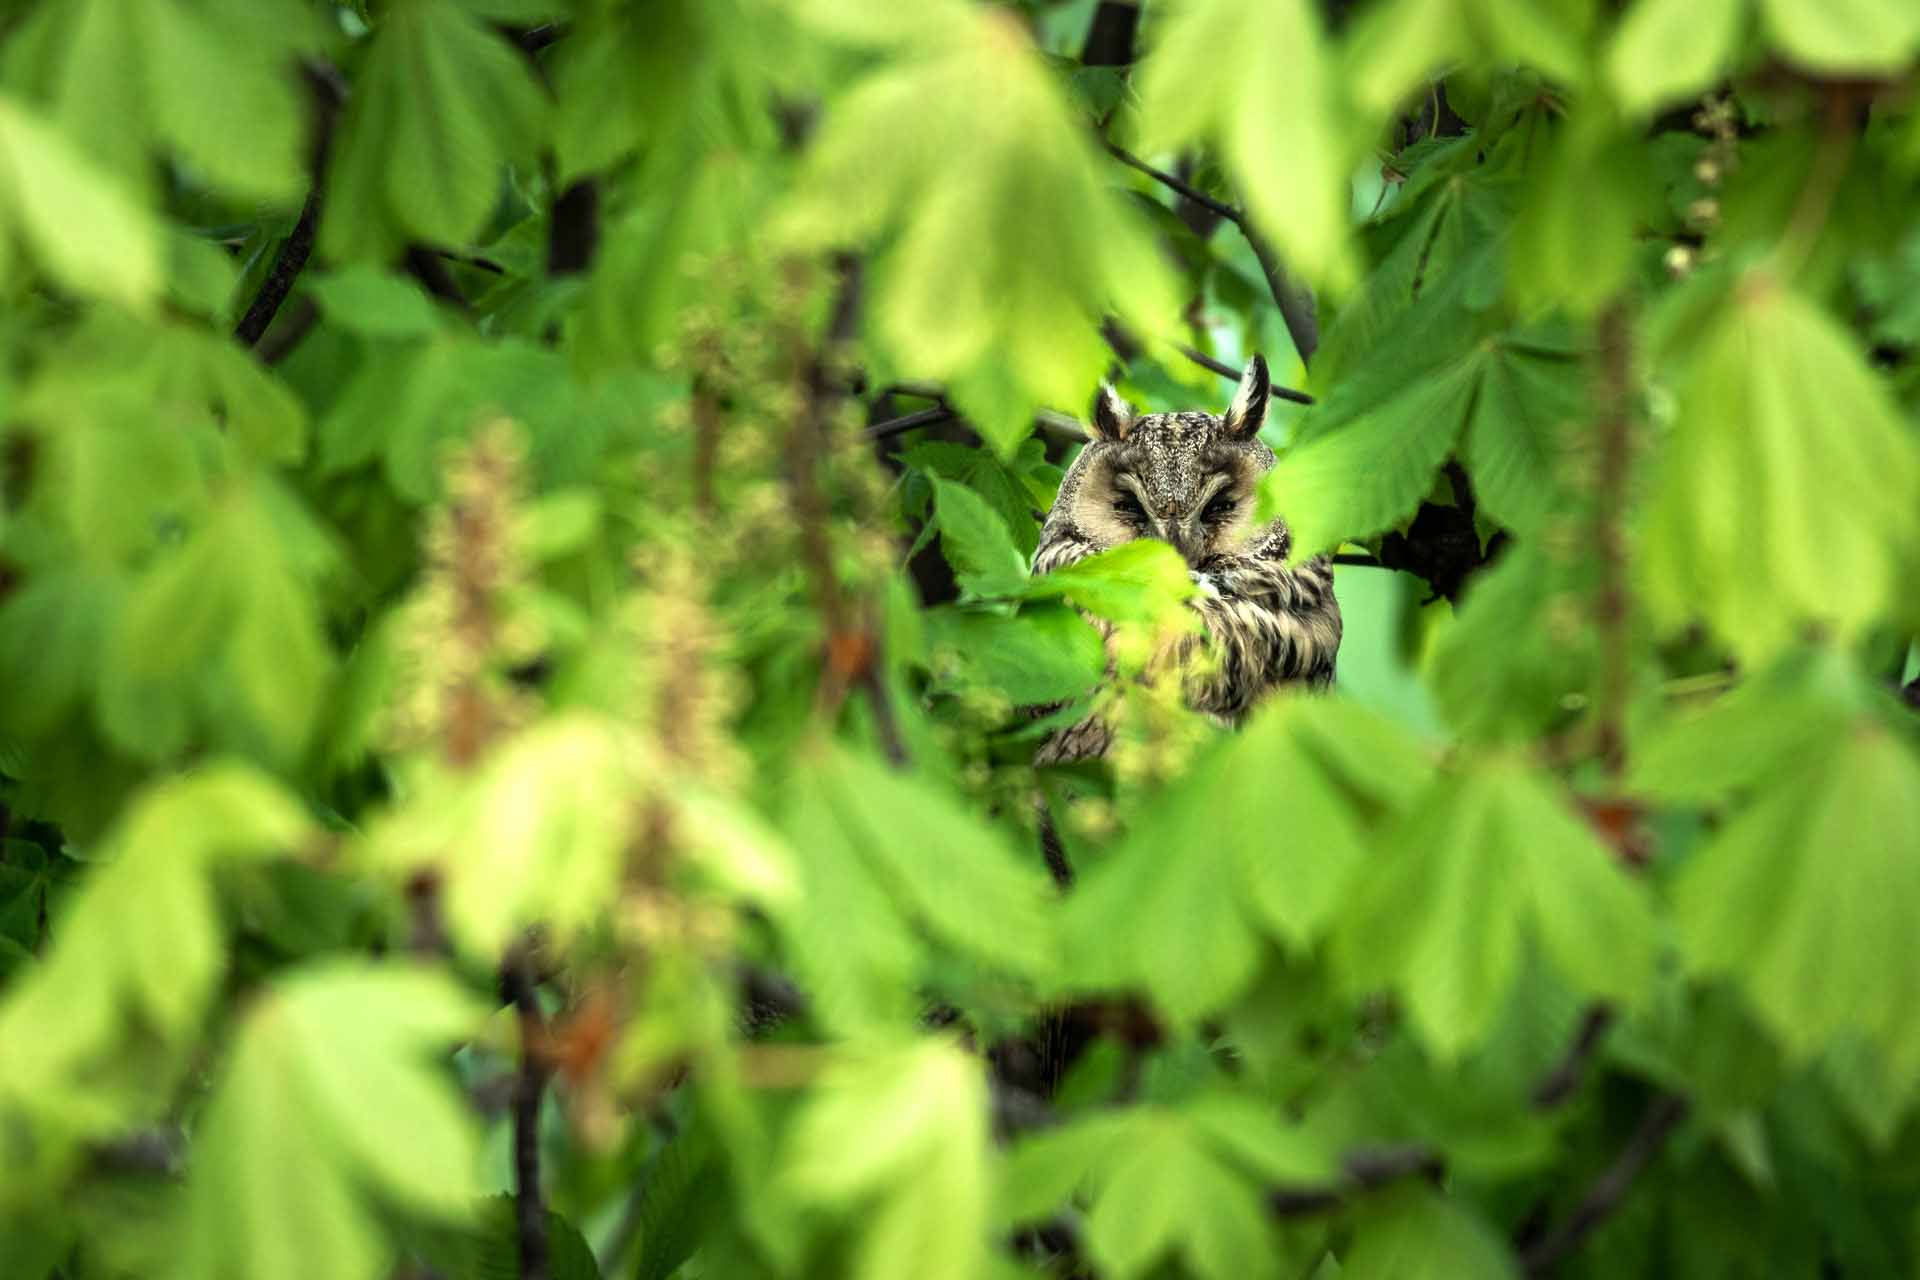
1183 536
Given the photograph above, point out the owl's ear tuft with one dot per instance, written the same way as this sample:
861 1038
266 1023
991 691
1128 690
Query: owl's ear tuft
1112 416
1249 407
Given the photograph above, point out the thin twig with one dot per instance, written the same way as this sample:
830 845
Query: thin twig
1560 1083
530 1211
329 94
1180 185
910 422
1226 370
1610 1188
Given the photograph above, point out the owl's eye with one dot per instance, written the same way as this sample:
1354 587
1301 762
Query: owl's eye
1219 509
1128 507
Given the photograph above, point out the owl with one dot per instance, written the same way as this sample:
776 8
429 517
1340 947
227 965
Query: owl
1189 479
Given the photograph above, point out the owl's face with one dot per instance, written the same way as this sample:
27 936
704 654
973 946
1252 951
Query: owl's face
1187 479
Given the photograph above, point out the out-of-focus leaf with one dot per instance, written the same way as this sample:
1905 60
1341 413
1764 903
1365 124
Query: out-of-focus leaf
1666 50
537 836
140 948
1521 643
1858 36
211 83
991 285
1275 97
438 111
1417 1234
1488 859
374 304
1789 491
346 1047
900 1135
47 189
1199 944
1802 898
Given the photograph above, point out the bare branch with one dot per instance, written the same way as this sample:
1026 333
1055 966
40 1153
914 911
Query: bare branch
1560 1083
1185 188
530 1211
329 94
1610 1189
1226 370
910 422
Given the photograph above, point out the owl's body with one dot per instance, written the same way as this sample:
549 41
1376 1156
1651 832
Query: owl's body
1189 479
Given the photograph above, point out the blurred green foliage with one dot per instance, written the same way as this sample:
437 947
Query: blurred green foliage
598 573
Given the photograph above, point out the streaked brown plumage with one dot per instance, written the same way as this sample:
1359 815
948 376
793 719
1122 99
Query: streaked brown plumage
1190 479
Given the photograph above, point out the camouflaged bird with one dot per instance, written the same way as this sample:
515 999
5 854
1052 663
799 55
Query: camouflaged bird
1189 479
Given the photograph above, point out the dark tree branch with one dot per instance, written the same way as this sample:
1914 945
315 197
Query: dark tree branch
910 422
425 266
1179 185
1226 370
529 1210
573 239
290 332
1610 1189
329 94
1560 1083
1109 41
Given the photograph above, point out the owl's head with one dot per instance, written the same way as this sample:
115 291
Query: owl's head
1187 479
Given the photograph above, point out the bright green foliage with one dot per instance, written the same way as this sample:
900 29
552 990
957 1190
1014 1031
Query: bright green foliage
1787 453
440 105
1480 866
137 958
48 185
346 1048
1163 1182
898 1141
1805 894
1275 55
1009 327
549 616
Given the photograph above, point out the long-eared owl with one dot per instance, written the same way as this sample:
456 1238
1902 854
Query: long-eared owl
1189 479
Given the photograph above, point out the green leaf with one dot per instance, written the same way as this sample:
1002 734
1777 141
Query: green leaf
1787 452
977 542
539 835
1520 645
1422 1235
952 873
1140 581
374 304
1045 653
138 952
47 189
345 1046
53 630
1668 50
1255 77
1373 472
441 107
212 83
1803 898
1485 860
979 284
899 1138
1861 37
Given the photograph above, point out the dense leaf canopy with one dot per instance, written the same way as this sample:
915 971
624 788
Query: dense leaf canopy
520 675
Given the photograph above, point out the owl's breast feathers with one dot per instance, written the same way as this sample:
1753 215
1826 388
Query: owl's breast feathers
1267 625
